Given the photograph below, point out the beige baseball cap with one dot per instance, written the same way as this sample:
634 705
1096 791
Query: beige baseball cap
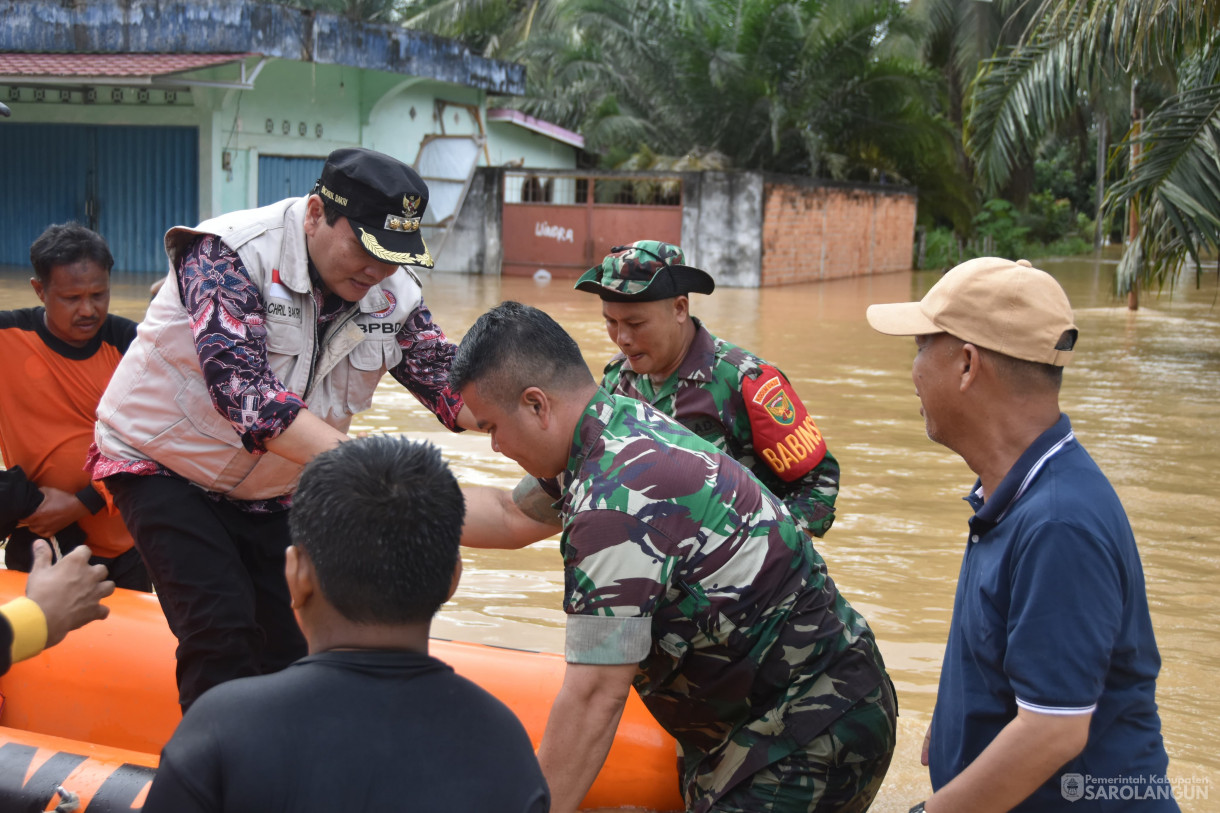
1005 306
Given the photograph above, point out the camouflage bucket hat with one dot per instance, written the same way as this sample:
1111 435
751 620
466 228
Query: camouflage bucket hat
644 271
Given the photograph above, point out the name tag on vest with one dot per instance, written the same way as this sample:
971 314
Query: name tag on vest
283 310
280 306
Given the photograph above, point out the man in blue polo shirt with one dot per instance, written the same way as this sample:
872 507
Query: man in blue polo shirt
1047 693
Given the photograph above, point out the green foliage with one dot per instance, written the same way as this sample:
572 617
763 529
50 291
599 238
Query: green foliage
999 225
1047 218
1075 54
1175 184
493 28
366 10
1066 168
808 87
1065 247
1017 101
943 249
832 89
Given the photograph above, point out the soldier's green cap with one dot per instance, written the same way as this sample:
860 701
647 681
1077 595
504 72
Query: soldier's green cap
644 271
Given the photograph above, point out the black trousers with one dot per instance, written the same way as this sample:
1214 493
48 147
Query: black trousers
219 575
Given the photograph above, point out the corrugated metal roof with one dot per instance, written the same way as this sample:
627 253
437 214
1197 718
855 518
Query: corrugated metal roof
108 64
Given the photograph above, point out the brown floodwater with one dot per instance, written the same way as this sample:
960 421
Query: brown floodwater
1142 393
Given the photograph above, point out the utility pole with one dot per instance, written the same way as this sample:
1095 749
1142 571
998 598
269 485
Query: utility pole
1133 215
1102 128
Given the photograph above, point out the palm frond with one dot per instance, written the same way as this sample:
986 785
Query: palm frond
1017 100
1176 183
1141 34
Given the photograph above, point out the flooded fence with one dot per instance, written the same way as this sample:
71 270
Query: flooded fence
748 229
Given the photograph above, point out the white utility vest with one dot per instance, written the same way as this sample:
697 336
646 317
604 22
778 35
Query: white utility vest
158 407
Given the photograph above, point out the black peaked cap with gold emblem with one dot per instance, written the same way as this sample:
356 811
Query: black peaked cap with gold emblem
384 201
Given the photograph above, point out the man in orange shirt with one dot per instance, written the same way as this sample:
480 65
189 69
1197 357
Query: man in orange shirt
55 362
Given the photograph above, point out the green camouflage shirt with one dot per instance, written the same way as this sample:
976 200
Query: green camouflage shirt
704 395
677 558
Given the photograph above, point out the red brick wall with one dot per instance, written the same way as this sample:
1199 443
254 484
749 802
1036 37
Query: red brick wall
819 232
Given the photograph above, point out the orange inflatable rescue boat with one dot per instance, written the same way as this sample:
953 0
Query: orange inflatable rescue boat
84 722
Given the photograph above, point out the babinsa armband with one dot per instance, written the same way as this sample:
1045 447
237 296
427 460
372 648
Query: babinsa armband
785 436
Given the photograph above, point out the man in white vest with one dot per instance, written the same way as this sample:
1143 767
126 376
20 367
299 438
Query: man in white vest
273 330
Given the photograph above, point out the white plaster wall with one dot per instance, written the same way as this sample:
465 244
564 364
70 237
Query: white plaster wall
513 145
401 114
722 227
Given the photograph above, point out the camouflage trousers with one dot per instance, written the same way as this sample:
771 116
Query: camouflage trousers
839 771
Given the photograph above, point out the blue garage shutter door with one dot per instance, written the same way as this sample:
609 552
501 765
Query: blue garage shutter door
46 169
280 177
129 184
147 181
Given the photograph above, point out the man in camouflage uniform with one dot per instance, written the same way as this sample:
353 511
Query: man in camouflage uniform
724 394
683 577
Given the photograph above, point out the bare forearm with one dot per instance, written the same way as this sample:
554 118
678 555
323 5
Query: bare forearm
493 520
1024 755
579 733
305 438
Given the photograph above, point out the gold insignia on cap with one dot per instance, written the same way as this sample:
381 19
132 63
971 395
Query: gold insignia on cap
401 257
410 204
396 223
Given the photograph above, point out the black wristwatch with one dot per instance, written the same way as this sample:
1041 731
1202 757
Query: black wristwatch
917 808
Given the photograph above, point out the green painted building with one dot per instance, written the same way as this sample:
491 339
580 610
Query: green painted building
135 115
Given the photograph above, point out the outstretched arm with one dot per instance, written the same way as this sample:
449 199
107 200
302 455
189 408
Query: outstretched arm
305 438
580 729
69 592
496 518
424 369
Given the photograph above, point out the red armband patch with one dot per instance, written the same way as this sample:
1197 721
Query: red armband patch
785 436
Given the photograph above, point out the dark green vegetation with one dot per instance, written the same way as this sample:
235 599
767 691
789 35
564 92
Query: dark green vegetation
1012 117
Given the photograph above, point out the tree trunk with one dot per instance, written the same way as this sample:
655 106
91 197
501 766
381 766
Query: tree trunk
1133 233
1020 184
1102 127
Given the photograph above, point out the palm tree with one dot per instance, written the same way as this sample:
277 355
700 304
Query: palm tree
377 11
815 87
962 33
495 28
959 36
1078 48
796 86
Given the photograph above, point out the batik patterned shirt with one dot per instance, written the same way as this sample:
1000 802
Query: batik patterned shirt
705 395
677 558
229 323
